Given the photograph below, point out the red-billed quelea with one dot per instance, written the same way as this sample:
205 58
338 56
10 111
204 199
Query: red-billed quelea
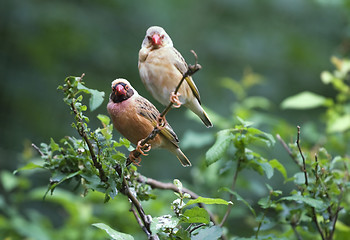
135 117
161 69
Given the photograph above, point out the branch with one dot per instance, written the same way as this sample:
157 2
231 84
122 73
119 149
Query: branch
192 69
302 156
290 153
37 149
314 218
170 186
83 134
316 168
297 235
146 221
229 208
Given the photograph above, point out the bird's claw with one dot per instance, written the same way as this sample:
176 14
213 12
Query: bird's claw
133 159
174 98
161 122
143 148
134 156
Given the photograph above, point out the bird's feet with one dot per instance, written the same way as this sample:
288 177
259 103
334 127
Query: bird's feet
134 156
174 98
161 122
143 148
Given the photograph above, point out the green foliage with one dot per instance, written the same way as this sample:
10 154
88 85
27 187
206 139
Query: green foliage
113 233
317 205
95 163
242 137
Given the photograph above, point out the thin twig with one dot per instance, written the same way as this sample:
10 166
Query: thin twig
170 186
297 234
290 153
83 134
192 69
339 208
229 208
316 168
132 209
37 149
314 218
262 218
302 156
146 221
196 227
335 221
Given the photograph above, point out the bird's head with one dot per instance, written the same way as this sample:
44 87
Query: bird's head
156 37
121 90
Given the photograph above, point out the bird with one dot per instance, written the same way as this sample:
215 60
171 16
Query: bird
135 117
161 68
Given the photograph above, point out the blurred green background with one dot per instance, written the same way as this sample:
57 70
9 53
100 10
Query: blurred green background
287 42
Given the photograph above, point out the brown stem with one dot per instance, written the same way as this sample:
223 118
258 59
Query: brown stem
314 218
37 149
146 221
170 186
296 232
316 168
302 156
196 227
290 153
83 134
229 208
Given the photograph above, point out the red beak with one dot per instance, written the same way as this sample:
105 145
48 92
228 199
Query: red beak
120 90
156 39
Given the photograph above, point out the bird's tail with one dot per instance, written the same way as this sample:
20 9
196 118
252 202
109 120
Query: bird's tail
183 159
205 119
195 107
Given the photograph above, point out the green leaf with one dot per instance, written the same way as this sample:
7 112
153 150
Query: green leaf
178 184
326 77
54 146
299 178
266 167
29 166
341 124
220 147
96 98
208 201
244 123
113 233
318 204
304 100
264 202
239 198
8 180
196 215
277 165
265 137
105 120
210 233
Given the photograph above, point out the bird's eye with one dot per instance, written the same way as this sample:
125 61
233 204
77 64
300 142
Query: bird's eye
126 87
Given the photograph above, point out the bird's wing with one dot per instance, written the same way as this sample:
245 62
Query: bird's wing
147 110
182 66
